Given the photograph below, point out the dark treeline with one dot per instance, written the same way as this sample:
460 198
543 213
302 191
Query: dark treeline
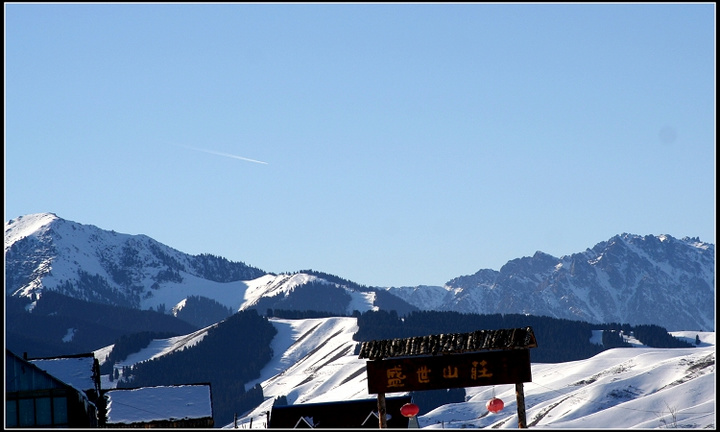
657 337
335 279
559 340
313 295
202 311
129 344
219 269
613 339
40 333
231 354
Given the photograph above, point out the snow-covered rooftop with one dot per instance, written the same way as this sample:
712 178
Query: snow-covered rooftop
75 371
148 404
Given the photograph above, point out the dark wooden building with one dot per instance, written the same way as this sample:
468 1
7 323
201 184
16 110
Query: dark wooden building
355 414
35 398
82 371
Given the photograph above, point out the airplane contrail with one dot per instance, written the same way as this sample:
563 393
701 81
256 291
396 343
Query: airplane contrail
225 154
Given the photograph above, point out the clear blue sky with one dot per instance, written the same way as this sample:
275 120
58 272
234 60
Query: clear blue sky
388 144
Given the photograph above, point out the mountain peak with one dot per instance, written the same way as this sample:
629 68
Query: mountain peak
43 251
23 226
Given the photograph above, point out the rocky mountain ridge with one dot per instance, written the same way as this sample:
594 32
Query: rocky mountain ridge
626 279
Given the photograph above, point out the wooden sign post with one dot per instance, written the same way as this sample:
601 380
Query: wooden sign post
520 397
406 371
382 411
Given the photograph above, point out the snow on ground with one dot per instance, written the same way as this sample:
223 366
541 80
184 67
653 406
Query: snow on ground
706 338
618 388
361 301
317 357
314 362
170 294
636 387
156 348
271 286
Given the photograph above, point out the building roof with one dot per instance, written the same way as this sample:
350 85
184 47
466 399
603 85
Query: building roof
76 371
148 404
38 379
450 343
342 414
23 379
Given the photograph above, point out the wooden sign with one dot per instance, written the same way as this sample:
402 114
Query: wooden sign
448 371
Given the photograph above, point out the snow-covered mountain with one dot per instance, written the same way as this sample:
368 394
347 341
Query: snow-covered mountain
636 387
628 279
45 252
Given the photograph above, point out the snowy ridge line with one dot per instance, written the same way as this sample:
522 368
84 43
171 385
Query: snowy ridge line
618 280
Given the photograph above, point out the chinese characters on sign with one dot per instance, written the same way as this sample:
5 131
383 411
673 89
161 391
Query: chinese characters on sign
395 377
449 371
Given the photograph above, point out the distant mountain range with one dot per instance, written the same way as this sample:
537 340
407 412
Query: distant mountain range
627 279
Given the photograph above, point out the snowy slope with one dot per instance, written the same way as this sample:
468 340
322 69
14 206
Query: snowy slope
156 348
316 361
636 387
618 388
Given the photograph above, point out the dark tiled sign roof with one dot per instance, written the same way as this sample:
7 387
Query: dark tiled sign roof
450 343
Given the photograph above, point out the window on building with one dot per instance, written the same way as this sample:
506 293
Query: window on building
26 407
11 413
60 410
43 411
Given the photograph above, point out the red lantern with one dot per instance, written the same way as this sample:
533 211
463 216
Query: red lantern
495 405
409 410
